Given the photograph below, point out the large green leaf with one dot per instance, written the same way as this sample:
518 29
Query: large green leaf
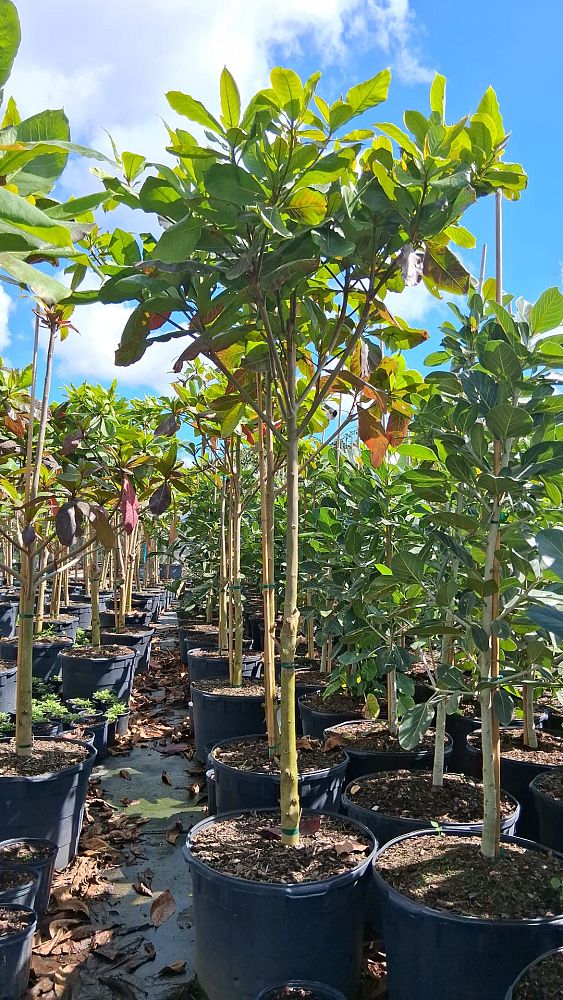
550 544
501 359
19 212
488 105
40 175
194 110
445 270
288 89
370 93
178 241
415 724
230 100
547 312
503 707
506 421
232 419
46 288
551 619
231 183
438 95
133 343
308 206
408 566
10 37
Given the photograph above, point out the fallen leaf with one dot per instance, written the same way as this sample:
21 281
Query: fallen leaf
309 825
353 789
174 748
124 773
171 836
142 889
350 846
166 778
333 741
162 908
304 743
174 969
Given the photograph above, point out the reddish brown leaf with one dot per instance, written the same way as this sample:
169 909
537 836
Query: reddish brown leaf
166 778
129 506
397 427
174 748
171 836
124 773
174 969
162 908
333 741
304 743
141 889
372 434
350 846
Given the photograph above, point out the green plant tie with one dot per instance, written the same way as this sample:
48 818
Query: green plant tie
290 833
268 586
235 586
287 666
26 616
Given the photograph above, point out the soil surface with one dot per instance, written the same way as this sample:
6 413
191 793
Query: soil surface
411 795
550 748
222 687
252 755
12 921
450 874
208 654
134 633
194 630
48 757
105 652
250 847
336 703
7 665
23 851
375 737
551 783
14 878
294 993
61 620
314 678
543 982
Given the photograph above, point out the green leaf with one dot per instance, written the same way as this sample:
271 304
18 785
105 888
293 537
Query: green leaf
48 289
480 638
488 105
506 421
415 724
501 359
308 206
232 419
550 619
178 241
407 566
40 175
288 89
372 706
229 182
194 110
550 545
445 270
133 343
370 93
230 100
417 451
503 707
547 312
438 96
19 212
10 37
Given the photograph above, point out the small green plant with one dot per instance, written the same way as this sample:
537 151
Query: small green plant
83 705
557 884
83 638
116 709
6 725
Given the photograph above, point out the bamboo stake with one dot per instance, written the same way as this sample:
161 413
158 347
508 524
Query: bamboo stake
267 588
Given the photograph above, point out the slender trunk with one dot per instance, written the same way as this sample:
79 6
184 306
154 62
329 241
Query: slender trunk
95 592
530 735
438 769
44 407
392 674
24 736
267 585
230 608
223 573
489 726
40 614
289 789
236 584
55 607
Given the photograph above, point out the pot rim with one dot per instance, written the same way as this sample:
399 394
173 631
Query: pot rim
53 775
25 931
531 965
538 791
276 778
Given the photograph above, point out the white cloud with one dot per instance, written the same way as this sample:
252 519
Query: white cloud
89 354
415 305
6 307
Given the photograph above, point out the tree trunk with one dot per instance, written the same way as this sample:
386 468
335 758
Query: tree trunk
223 574
268 596
236 584
24 735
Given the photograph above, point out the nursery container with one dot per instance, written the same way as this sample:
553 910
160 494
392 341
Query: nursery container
15 956
222 716
203 666
83 675
511 992
309 930
371 761
8 687
316 991
81 610
8 615
139 640
20 895
550 815
43 867
314 722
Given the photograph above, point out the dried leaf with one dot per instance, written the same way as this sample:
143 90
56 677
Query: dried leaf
141 889
350 846
304 743
175 748
174 969
125 774
171 836
162 908
333 741
166 778
354 789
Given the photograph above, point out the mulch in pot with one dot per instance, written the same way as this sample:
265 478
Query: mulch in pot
23 852
550 748
104 652
7 665
252 755
337 703
47 757
223 687
411 795
13 878
12 921
294 993
374 737
543 982
250 847
450 874
551 784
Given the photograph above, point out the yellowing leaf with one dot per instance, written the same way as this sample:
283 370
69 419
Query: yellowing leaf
307 206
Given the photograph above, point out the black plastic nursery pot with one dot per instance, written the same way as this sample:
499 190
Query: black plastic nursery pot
139 640
37 856
8 673
439 955
23 894
459 727
46 664
292 927
8 615
97 725
549 811
216 717
512 992
386 828
47 806
203 665
15 955
515 778
371 761
85 674
81 610
315 991
314 722
65 625
236 788
133 619
211 791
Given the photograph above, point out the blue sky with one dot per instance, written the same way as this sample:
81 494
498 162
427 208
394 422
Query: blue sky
120 56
